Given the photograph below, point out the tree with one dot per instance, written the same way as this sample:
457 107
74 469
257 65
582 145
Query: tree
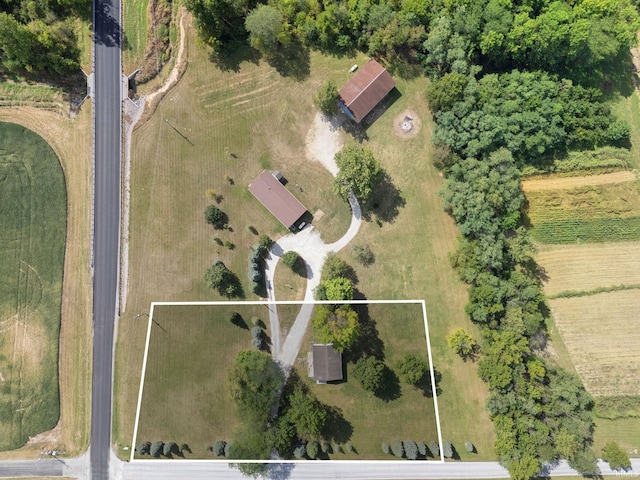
338 289
397 448
144 448
306 413
335 267
156 449
339 327
223 280
218 448
291 259
410 449
412 369
255 380
214 216
447 449
313 448
369 371
463 344
363 254
469 447
326 98
359 172
385 448
442 94
220 21
265 242
617 458
300 451
265 28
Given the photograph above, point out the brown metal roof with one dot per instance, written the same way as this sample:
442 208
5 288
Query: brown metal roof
278 200
365 89
327 363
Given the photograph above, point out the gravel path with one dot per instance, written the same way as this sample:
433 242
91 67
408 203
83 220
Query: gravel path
323 142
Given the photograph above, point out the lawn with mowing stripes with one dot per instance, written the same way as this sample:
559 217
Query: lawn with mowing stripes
32 235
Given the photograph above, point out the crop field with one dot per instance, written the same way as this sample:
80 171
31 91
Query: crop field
588 213
587 267
602 334
32 235
244 116
186 395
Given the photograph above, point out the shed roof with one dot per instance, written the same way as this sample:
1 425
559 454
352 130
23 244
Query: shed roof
278 200
365 89
327 363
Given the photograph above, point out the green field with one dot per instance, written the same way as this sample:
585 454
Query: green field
245 117
134 16
32 235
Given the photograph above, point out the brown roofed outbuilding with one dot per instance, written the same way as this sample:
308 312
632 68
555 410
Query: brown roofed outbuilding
325 364
365 90
278 200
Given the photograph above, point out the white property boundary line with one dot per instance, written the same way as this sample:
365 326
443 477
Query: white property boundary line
353 302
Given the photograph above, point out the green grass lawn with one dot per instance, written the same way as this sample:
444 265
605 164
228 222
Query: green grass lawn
32 236
404 412
186 395
625 432
134 18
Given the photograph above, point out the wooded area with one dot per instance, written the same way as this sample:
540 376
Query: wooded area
39 36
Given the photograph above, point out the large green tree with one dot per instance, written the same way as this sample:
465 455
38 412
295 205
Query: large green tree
339 326
359 172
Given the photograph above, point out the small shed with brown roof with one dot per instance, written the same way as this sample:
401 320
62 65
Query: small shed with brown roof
278 200
324 364
365 90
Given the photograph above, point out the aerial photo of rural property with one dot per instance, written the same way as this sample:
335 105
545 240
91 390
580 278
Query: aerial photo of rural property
317 239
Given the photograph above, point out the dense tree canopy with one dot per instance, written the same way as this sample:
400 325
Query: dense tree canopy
339 326
359 173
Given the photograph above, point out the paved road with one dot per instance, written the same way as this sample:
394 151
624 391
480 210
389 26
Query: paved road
106 239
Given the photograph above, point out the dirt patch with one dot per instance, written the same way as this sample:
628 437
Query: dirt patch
50 440
323 141
561 183
407 124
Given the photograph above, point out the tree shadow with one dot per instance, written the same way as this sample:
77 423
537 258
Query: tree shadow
385 202
279 471
337 429
292 61
106 28
424 384
232 54
238 321
390 388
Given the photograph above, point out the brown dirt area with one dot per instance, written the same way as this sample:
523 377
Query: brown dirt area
71 141
561 183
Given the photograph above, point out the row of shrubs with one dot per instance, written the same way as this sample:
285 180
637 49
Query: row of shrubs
414 451
313 449
256 256
159 448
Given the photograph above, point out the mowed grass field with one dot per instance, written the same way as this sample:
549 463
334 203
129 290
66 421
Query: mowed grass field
245 118
134 19
32 235
369 420
186 395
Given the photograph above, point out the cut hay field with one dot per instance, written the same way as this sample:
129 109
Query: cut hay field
186 395
587 267
246 117
602 334
598 212
32 235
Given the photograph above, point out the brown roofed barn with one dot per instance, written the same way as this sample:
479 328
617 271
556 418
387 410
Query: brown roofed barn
324 363
278 200
365 90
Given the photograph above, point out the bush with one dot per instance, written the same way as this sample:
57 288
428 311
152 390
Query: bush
313 448
230 245
447 449
256 322
218 240
252 229
218 448
350 448
412 369
422 449
463 344
223 280
435 448
469 447
363 254
258 343
144 448
156 449
265 242
617 458
300 451
326 447
385 448
170 448
410 449
227 450
256 332
336 448
214 216
369 372
397 448
290 259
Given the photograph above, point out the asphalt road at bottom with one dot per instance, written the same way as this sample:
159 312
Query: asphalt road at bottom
106 234
40 468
